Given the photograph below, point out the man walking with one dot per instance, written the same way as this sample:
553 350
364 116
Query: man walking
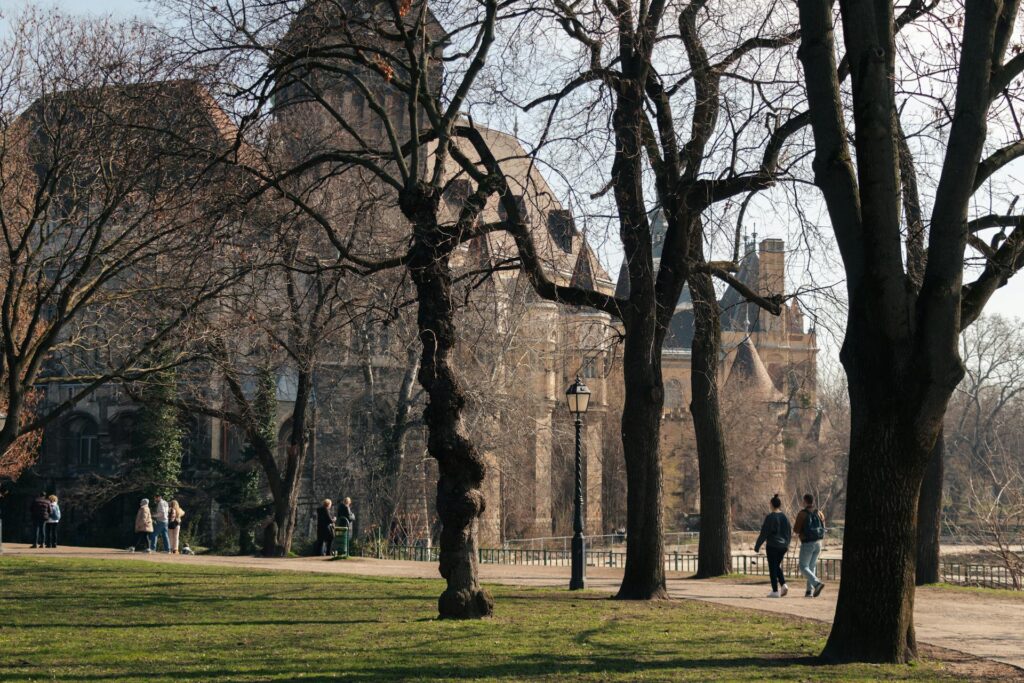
810 526
160 525
40 513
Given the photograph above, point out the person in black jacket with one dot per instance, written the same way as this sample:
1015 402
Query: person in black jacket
40 511
324 529
775 535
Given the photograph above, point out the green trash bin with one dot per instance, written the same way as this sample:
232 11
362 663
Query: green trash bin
341 540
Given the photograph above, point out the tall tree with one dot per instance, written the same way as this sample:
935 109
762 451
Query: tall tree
695 165
400 144
900 351
98 212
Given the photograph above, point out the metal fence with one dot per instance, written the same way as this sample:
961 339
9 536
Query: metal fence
828 569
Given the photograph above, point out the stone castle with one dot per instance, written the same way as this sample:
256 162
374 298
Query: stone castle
527 352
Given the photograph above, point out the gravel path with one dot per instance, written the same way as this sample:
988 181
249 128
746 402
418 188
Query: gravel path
981 624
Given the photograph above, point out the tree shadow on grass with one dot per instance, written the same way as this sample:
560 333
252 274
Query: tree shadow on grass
533 668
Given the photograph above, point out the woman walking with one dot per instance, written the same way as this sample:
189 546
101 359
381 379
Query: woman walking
775 535
174 517
324 529
51 524
143 526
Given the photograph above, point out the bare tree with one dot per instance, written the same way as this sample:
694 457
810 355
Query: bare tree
99 211
900 351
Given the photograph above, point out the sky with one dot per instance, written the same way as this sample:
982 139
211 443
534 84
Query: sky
1008 301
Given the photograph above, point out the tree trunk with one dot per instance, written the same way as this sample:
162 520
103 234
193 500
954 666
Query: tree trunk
644 577
929 516
714 550
283 523
460 502
874 620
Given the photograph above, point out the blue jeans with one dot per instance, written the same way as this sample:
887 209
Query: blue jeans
39 534
160 531
808 561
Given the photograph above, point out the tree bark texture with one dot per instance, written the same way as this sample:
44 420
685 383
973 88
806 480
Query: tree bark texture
714 549
460 501
929 516
644 576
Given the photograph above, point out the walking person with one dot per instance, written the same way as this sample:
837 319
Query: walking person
810 526
775 535
143 526
324 528
160 525
174 516
39 510
51 523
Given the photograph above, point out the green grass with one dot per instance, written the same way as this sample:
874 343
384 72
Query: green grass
81 620
1002 593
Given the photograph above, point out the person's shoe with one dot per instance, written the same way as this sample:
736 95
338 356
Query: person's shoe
149 550
783 591
775 594
817 589
808 594
34 545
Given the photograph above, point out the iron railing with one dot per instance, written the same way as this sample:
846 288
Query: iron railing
828 569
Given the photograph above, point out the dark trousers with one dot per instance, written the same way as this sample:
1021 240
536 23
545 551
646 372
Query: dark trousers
775 556
325 544
51 534
141 540
38 534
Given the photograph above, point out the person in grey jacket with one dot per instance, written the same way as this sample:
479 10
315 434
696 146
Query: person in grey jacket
775 536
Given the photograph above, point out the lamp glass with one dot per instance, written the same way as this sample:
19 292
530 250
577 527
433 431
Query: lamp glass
578 397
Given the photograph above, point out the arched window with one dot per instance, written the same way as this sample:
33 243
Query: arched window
121 430
79 444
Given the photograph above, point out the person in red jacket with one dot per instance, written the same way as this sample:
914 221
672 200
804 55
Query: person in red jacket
40 512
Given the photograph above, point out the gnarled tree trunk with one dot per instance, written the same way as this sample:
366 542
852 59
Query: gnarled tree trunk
460 501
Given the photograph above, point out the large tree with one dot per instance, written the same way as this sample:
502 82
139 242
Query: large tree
687 166
379 99
102 208
900 351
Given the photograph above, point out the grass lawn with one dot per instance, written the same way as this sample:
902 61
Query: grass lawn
93 620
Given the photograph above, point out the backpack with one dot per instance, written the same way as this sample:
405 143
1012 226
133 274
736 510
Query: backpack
814 529
54 512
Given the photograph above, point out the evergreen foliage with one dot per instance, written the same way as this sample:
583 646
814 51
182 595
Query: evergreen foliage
158 447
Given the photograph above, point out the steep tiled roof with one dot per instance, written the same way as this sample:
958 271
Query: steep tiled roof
748 374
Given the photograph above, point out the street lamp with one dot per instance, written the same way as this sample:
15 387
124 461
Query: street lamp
578 398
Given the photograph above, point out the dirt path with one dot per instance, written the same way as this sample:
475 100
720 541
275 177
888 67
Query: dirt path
982 624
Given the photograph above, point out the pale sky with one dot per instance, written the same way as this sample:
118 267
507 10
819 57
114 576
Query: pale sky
1009 301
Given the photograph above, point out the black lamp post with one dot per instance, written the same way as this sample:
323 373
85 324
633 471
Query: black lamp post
578 398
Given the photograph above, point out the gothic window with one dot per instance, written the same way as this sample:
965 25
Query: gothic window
562 228
458 191
589 370
121 430
79 443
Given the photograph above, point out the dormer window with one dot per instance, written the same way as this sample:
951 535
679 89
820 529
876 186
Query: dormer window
562 229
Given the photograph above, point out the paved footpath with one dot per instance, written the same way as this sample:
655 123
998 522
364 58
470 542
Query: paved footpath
982 624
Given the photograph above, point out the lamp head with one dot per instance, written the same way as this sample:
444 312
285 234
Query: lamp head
578 397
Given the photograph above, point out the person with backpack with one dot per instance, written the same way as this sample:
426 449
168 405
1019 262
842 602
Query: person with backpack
775 535
810 526
51 524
